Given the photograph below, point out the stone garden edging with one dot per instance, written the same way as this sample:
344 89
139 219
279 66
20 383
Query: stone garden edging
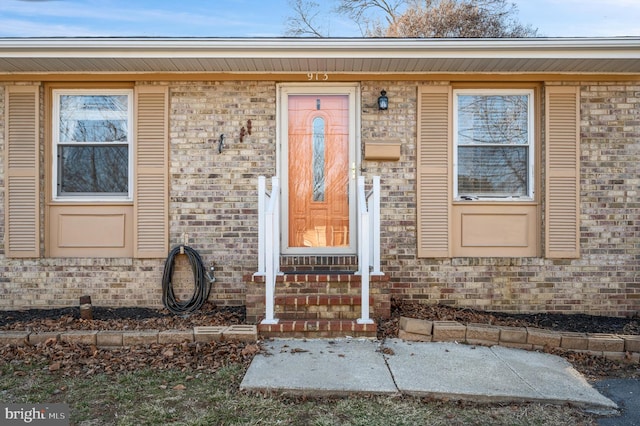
118 338
612 346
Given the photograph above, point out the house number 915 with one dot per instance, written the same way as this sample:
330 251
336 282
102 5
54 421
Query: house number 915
317 76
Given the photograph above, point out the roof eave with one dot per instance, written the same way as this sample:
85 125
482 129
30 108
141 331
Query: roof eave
41 50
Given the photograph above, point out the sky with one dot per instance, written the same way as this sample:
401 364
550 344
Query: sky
267 18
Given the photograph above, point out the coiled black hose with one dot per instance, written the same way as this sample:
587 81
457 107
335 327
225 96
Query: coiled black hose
202 282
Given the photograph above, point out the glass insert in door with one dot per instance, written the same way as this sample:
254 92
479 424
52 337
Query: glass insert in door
318 161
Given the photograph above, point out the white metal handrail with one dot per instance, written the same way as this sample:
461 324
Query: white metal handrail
368 241
373 206
269 242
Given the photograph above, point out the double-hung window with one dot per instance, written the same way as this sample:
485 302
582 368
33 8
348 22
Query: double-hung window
92 144
478 171
493 144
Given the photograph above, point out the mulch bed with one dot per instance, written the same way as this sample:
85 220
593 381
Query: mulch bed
551 321
87 360
104 318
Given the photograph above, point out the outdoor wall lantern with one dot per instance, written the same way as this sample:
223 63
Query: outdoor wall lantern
383 101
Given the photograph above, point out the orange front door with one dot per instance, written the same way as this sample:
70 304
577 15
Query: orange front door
318 171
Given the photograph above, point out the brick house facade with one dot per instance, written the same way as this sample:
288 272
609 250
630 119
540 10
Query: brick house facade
211 196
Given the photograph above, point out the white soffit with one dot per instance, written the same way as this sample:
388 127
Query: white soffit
292 55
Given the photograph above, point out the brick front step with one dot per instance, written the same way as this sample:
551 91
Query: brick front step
319 307
318 264
317 329
302 277
318 296
329 300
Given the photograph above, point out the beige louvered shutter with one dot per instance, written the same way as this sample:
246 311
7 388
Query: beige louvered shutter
433 165
22 219
151 175
562 172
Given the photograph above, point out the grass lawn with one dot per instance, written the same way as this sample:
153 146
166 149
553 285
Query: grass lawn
188 397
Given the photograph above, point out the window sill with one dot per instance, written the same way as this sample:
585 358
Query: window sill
90 202
509 201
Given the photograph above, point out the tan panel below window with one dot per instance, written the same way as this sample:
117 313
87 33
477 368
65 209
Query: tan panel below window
91 231
497 230
479 230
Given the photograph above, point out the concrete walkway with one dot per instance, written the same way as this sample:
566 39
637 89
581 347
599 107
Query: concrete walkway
440 370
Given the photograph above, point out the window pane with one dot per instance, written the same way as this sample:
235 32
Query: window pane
493 119
492 171
318 159
93 169
88 118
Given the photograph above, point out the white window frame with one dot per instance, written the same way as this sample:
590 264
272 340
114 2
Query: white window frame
55 137
530 133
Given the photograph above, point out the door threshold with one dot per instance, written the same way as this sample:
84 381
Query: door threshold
319 272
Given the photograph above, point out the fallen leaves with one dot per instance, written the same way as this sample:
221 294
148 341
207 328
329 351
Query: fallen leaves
76 359
250 350
73 359
597 367
70 359
552 321
387 351
64 319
